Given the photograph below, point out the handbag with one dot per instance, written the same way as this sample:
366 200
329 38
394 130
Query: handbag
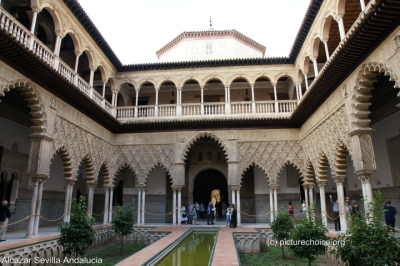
184 215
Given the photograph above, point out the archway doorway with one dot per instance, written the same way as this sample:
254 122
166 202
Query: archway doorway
207 181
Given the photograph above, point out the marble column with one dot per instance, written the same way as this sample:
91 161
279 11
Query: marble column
340 193
322 185
139 208
174 207
106 203
271 204
110 205
91 187
179 206
38 208
239 216
143 205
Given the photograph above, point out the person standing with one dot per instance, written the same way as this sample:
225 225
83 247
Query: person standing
390 213
224 206
202 210
184 215
189 214
210 214
336 218
303 209
233 216
5 214
228 216
291 211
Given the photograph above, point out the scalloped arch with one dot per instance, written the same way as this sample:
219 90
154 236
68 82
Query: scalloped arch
362 91
197 137
66 162
32 97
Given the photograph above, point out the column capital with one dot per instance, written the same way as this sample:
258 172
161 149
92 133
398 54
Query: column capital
322 183
361 131
235 187
91 184
174 187
339 178
365 175
38 177
274 186
69 181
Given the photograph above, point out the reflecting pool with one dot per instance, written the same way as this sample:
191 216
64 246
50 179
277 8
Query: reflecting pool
196 249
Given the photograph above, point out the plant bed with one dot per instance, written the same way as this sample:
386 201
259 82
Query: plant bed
111 255
273 256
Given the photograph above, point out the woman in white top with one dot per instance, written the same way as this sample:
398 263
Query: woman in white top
184 214
228 216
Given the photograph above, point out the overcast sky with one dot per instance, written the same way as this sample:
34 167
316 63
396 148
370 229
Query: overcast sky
136 29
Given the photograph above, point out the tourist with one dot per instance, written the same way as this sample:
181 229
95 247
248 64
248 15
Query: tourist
233 216
5 214
194 216
355 210
303 209
189 214
291 211
347 208
390 213
336 218
228 216
202 210
184 215
197 206
224 206
210 214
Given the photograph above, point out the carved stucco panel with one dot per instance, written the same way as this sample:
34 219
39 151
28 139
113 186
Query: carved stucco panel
269 156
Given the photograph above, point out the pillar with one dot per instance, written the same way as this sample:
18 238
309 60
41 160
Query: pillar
179 206
305 187
340 193
276 100
271 204
174 207
69 185
341 28
233 196
239 216
77 55
276 200
253 103
227 100
362 3
38 208
106 204
326 49
314 60
311 194
143 204
139 208
31 221
201 104
306 80
156 107
104 89
179 101
34 18
322 185
92 70
91 187
110 205
57 45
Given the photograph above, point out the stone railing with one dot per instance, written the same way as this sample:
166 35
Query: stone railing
24 37
49 251
207 109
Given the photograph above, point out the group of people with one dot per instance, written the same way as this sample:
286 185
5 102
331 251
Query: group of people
196 211
352 211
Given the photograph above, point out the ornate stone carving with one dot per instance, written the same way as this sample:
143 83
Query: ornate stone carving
269 156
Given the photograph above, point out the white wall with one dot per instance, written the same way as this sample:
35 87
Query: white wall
12 132
55 182
385 129
224 48
156 182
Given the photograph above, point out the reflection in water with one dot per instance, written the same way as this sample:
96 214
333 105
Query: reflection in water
195 249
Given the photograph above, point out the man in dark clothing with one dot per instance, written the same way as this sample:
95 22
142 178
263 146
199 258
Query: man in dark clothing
390 212
210 213
233 216
5 214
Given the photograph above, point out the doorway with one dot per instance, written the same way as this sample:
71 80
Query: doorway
207 181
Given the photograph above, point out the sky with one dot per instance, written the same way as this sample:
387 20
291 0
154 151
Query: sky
137 29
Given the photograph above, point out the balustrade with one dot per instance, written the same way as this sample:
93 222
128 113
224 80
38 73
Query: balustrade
22 35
